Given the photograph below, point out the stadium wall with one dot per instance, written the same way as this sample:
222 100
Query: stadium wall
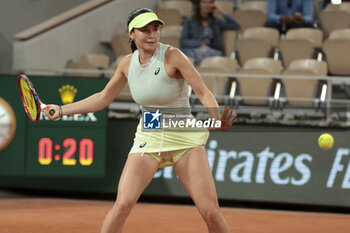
81 35
18 15
265 163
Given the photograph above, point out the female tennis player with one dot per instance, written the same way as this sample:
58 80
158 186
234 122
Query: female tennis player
158 76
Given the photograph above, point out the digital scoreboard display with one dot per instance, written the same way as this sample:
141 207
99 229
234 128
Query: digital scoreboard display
66 151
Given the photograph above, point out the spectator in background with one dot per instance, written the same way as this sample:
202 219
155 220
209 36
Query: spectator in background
201 34
286 14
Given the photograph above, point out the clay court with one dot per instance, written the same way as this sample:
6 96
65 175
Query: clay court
43 215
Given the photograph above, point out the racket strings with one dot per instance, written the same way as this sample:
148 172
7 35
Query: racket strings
30 99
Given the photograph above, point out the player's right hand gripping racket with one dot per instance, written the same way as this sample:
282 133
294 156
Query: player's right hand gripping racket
30 99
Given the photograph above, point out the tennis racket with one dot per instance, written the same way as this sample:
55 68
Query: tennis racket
30 99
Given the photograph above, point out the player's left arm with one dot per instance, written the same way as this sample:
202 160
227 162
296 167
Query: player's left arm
185 68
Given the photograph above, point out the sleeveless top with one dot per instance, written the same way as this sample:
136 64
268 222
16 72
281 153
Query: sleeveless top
152 88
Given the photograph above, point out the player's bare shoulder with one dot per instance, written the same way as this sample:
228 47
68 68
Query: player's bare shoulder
172 53
124 64
174 56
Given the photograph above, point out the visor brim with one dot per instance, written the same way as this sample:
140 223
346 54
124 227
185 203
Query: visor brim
142 20
145 23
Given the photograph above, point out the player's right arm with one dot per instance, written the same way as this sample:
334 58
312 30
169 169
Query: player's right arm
97 101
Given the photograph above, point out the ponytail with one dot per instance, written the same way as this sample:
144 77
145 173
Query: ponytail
133 46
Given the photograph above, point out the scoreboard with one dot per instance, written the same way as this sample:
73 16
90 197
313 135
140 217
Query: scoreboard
71 146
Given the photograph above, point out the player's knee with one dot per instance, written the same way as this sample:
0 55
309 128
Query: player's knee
122 208
212 215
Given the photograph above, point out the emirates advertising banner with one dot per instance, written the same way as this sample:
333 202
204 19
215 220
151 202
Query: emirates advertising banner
272 164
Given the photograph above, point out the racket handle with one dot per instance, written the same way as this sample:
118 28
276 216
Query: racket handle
52 112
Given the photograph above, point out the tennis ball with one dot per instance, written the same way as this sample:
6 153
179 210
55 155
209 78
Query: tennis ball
325 141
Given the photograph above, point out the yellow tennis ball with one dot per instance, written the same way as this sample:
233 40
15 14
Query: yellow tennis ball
325 141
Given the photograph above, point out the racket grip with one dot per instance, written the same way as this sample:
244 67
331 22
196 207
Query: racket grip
52 112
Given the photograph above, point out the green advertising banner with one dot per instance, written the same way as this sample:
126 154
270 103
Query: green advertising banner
63 90
279 165
259 163
71 146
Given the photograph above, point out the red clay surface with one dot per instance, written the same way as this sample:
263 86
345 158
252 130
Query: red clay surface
49 215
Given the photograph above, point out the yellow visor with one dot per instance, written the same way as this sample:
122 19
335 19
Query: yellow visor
143 19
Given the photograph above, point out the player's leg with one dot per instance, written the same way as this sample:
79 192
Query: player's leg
137 174
194 173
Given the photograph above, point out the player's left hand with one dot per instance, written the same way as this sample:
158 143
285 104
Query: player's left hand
227 119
